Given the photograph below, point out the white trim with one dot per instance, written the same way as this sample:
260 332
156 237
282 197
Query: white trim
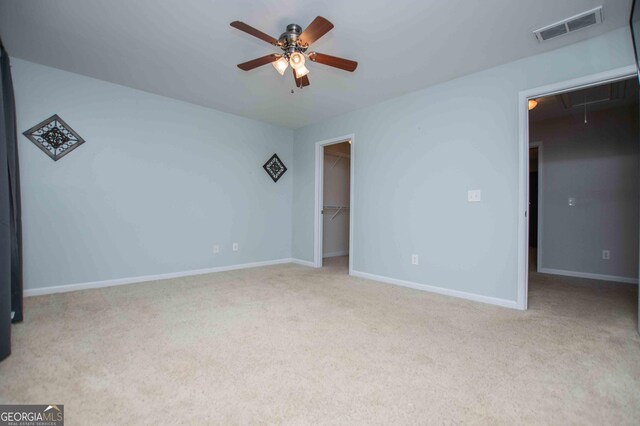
539 145
132 280
440 290
303 262
600 277
317 216
523 155
336 253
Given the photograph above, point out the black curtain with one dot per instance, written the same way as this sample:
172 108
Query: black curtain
14 188
10 222
5 232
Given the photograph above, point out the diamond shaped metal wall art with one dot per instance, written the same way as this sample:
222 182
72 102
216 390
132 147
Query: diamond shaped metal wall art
275 167
55 137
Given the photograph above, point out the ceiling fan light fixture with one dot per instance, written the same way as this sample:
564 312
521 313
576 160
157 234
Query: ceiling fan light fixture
532 104
281 65
301 71
294 42
296 60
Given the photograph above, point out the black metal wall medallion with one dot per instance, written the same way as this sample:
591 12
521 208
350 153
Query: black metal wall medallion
55 137
275 167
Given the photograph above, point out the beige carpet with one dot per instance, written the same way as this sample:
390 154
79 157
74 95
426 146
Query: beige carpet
290 344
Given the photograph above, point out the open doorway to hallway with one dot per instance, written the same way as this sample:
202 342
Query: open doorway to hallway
583 201
535 149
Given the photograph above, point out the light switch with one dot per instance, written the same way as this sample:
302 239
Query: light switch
572 202
474 195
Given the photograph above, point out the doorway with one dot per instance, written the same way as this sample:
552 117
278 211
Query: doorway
336 204
535 160
334 189
524 98
583 240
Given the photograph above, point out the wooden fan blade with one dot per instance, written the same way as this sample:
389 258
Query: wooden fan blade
316 29
252 31
301 82
258 62
333 61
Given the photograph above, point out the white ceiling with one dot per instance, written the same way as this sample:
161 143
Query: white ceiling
185 49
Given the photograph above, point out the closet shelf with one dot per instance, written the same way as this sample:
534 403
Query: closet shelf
338 209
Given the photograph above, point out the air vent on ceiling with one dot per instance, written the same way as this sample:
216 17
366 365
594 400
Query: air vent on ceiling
574 23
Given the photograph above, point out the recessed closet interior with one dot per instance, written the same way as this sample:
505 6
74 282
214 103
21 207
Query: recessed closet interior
336 202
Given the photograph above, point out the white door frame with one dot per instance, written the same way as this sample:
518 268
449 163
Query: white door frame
523 149
319 195
538 144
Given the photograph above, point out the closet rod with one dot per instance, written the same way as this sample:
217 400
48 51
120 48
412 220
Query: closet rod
336 162
336 213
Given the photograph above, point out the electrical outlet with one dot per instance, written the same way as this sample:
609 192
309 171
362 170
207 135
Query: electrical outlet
606 254
572 202
414 259
234 247
216 249
474 195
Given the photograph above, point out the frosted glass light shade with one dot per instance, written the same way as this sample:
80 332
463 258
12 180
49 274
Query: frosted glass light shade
297 60
301 71
281 65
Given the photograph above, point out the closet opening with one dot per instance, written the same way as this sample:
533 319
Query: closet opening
334 193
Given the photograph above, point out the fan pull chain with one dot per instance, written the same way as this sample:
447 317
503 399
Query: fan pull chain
585 109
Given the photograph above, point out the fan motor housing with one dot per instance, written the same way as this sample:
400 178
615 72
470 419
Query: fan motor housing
289 39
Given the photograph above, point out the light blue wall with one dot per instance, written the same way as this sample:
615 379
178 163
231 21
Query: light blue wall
157 184
417 155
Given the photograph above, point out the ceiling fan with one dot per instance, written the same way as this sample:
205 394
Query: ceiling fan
294 43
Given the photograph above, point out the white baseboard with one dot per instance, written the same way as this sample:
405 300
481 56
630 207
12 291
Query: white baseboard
133 280
303 262
576 274
439 290
336 253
